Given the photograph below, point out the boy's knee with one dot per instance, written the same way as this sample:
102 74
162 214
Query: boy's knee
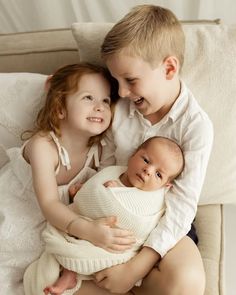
185 282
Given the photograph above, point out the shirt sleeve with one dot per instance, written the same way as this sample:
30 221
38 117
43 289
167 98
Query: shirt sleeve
182 199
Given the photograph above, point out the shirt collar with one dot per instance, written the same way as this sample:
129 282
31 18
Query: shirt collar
176 110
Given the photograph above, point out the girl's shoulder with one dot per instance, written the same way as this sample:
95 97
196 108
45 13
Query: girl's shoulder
39 145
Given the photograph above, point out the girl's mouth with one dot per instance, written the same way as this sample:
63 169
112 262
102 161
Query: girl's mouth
95 119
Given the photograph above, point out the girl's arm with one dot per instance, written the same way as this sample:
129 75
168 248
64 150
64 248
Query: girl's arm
43 158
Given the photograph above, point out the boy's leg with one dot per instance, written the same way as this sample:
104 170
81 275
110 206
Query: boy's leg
179 272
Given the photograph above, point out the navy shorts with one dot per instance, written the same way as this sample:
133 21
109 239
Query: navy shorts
193 234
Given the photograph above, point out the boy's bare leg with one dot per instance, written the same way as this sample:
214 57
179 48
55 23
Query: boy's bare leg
66 281
180 272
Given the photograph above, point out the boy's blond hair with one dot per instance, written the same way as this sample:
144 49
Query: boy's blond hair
148 31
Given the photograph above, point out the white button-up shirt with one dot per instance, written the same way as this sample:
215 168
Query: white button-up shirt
188 125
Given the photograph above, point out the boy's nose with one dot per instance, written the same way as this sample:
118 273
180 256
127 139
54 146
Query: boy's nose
124 92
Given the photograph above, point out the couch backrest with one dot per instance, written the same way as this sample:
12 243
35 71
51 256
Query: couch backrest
37 52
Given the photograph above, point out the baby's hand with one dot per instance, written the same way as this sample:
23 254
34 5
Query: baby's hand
104 234
74 188
111 183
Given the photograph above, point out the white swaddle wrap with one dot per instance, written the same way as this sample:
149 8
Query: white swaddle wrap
136 210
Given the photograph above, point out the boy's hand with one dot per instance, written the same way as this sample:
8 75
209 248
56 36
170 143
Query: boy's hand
121 278
103 233
117 279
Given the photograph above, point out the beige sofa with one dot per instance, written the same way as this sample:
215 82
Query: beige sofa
44 51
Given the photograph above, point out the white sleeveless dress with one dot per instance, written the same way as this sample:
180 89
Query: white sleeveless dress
21 220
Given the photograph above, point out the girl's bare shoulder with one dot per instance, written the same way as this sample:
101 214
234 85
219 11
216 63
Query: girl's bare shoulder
40 145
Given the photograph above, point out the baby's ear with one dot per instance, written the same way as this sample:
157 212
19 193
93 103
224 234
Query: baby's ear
169 184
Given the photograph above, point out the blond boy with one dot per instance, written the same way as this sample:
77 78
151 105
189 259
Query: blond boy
144 52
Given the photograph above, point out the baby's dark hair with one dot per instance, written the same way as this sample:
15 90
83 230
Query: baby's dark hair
173 148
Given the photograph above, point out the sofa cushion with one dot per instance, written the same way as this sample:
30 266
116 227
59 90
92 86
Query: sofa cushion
21 96
210 72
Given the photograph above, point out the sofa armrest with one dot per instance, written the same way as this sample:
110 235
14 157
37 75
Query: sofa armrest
209 224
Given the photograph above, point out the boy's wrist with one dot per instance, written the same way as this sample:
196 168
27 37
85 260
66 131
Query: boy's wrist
143 262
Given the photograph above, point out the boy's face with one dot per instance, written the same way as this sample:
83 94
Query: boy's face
149 88
150 168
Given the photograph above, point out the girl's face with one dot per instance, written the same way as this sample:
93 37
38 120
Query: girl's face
88 110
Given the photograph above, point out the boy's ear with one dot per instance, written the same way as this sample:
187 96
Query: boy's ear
171 66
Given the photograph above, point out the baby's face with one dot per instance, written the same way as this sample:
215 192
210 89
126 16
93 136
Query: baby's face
151 168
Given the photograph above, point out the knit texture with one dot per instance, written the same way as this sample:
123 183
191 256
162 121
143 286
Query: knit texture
136 210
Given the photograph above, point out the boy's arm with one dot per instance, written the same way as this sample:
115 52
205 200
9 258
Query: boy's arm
181 203
121 278
182 199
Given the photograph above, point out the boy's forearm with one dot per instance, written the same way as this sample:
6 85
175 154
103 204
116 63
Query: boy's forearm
143 262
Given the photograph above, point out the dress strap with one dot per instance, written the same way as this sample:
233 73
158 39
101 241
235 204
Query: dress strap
62 152
93 154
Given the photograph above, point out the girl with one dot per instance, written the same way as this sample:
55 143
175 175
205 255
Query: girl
63 148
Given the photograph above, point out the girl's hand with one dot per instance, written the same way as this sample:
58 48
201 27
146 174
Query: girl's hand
103 233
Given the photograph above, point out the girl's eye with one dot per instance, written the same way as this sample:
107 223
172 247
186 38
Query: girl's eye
107 100
89 97
158 174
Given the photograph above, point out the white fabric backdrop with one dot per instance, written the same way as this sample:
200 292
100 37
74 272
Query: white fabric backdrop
29 15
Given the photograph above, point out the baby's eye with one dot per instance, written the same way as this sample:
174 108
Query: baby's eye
145 160
158 174
107 100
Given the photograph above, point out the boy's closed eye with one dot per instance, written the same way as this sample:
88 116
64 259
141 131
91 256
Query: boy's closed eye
130 80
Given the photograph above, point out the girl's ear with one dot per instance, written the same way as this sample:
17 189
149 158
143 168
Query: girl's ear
61 113
47 82
171 67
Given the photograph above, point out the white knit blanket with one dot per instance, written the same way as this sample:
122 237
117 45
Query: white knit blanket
136 210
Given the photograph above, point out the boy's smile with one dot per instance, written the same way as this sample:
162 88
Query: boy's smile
152 90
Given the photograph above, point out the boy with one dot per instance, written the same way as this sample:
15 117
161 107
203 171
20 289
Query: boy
135 197
144 52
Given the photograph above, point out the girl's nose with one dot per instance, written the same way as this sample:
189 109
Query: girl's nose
99 107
